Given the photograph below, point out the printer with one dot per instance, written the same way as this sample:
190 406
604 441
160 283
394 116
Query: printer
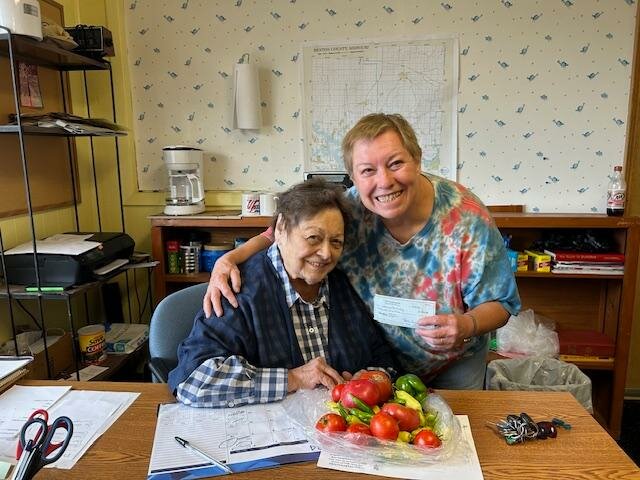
68 259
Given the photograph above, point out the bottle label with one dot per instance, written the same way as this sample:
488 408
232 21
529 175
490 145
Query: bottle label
615 199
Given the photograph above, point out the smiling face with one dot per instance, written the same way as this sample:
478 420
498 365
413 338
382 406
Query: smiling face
311 249
387 177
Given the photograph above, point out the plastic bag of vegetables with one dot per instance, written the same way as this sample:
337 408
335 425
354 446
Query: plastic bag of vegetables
368 416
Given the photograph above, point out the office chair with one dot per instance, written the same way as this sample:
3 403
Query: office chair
170 324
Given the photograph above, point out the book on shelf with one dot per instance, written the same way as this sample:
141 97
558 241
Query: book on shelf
570 256
588 343
588 269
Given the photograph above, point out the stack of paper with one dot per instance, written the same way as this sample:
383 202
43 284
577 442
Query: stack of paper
91 412
567 262
124 338
11 369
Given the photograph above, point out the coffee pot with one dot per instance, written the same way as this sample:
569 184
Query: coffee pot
185 191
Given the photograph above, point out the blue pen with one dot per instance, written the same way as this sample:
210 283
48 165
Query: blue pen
204 455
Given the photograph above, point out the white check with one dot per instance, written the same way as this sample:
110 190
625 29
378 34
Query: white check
403 312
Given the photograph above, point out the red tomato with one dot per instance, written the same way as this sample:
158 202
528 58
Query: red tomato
336 393
331 422
384 426
359 428
365 390
427 439
382 381
406 417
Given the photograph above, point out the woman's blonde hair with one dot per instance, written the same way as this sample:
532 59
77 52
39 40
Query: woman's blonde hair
375 124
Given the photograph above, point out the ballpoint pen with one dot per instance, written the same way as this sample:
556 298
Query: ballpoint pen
207 457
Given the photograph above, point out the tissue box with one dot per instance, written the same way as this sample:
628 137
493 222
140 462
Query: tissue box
538 261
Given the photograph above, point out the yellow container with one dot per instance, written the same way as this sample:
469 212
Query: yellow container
538 262
522 262
92 343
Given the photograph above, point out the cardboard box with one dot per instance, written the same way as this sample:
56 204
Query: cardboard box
519 261
523 262
538 261
60 354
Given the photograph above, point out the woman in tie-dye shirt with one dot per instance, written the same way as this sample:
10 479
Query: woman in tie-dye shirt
422 237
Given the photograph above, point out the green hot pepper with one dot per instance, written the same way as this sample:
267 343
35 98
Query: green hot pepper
363 416
361 405
411 384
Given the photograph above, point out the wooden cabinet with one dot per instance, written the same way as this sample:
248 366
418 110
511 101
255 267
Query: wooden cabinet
216 229
592 302
603 303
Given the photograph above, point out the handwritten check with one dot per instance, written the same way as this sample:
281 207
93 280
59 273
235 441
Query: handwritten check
402 312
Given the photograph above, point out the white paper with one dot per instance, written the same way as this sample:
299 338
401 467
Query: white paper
92 413
61 243
8 365
237 436
16 405
403 312
86 373
457 466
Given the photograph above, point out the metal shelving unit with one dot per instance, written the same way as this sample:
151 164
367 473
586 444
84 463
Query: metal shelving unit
20 48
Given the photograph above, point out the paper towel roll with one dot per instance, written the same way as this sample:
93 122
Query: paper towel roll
246 97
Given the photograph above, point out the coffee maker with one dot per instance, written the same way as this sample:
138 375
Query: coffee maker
185 192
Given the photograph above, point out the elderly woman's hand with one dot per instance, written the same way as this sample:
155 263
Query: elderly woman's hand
314 373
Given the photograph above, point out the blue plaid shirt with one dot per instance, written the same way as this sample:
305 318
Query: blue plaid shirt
233 381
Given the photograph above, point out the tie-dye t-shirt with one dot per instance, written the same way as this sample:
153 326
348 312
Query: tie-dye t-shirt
458 260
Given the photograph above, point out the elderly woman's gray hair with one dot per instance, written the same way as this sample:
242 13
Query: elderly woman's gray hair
307 199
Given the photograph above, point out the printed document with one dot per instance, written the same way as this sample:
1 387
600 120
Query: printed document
92 413
402 312
61 243
18 403
245 438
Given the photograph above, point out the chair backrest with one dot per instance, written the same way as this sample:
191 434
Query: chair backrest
171 323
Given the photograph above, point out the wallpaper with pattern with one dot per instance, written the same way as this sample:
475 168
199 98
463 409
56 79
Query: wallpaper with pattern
544 88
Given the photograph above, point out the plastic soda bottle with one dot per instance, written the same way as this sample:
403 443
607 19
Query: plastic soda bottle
616 193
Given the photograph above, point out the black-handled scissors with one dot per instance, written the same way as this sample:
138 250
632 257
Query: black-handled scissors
36 449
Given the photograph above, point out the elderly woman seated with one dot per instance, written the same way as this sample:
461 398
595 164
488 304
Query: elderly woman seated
299 322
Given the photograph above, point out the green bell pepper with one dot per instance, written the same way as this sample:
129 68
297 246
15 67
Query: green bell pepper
411 384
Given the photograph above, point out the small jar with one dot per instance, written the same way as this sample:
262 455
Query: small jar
211 254
190 257
173 256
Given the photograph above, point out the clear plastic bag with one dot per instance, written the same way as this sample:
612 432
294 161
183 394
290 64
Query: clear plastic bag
528 334
305 407
540 374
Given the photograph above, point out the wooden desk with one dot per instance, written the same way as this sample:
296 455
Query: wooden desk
585 452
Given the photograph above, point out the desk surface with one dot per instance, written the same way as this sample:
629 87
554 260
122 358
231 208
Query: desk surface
586 451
